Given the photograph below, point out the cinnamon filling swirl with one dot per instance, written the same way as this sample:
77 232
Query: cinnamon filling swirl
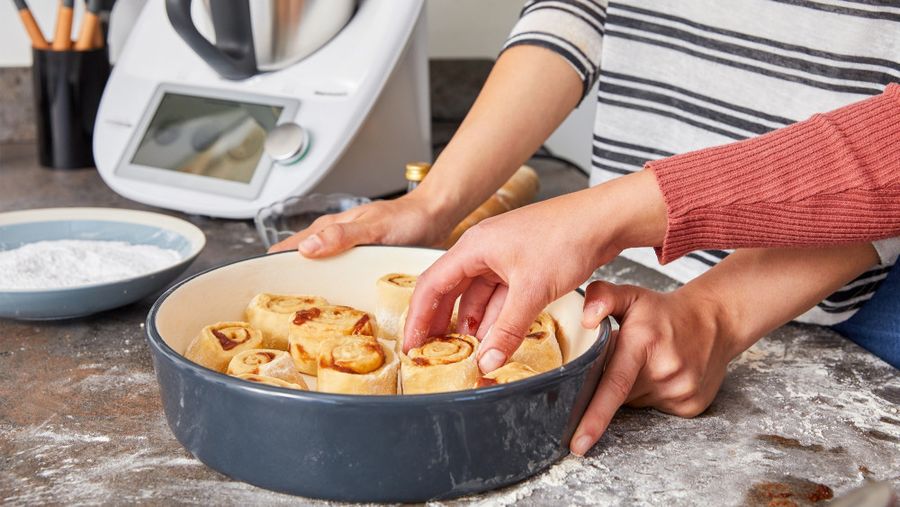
272 315
231 337
356 365
217 344
402 280
441 350
444 363
357 356
311 326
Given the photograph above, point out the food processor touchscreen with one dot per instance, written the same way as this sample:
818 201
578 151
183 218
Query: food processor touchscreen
206 136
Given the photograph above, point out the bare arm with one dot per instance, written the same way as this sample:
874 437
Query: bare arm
765 288
529 92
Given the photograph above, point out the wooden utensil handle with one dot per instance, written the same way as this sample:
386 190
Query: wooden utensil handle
89 37
62 37
90 25
34 32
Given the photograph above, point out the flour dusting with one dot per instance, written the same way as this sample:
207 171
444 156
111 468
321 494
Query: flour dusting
70 263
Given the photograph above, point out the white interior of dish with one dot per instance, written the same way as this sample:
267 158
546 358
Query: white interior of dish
347 279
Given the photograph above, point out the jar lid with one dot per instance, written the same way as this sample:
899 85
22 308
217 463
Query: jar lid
416 171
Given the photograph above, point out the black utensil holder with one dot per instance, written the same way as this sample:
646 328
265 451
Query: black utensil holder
67 90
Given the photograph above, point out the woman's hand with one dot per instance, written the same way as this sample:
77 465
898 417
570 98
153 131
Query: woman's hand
508 268
671 354
672 349
408 220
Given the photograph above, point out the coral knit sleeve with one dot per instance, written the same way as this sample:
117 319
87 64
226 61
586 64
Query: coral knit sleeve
834 178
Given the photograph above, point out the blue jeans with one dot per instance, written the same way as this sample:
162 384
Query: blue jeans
876 326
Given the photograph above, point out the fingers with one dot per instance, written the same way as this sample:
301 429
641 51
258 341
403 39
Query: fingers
433 320
438 283
614 389
331 234
440 322
506 333
602 299
292 242
472 305
492 311
336 238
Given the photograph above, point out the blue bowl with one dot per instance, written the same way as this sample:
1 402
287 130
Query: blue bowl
18 228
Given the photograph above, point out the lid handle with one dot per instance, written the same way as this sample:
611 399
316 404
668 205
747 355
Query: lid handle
233 56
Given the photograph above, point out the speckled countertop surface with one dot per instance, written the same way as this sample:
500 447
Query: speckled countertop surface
802 414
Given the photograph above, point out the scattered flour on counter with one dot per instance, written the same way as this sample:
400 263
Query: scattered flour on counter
69 263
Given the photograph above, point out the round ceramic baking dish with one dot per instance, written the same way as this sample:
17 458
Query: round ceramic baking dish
409 448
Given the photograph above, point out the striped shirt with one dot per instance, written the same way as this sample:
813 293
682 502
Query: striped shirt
681 75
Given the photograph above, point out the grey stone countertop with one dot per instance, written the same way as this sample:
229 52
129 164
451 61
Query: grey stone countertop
802 414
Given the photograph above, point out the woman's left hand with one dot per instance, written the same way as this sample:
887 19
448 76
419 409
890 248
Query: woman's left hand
508 268
672 349
670 354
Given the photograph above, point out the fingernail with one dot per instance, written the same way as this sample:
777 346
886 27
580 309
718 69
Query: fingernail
593 315
582 445
310 245
491 360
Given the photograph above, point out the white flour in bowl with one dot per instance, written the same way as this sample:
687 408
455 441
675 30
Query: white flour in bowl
69 263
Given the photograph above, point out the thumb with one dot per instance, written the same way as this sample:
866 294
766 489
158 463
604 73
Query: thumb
602 299
508 331
336 238
292 242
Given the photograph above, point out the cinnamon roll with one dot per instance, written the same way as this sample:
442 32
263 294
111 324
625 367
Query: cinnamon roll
217 344
356 365
509 372
272 381
312 326
266 362
444 363
540 348
392 294
272 314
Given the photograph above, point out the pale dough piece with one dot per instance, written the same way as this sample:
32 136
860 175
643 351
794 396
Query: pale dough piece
272 314
392 294
217 344
540 348
311 326
265 362
357 365
509 372
444 363
272 381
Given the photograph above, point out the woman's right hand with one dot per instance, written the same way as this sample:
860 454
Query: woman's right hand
407 220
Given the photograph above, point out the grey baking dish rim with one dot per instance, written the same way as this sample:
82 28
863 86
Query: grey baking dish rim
581 362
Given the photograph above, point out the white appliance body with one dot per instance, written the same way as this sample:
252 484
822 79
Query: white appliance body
363 98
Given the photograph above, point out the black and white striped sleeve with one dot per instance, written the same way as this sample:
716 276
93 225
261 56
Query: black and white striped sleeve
571 28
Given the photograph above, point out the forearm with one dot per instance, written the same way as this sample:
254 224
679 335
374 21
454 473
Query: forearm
529 92
831 179
754 291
